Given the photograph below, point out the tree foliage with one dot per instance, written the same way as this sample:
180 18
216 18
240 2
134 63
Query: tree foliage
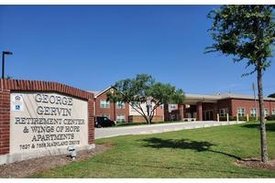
143 89
248 33
272 95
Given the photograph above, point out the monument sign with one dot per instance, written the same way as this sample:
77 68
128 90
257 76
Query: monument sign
42 118
46 121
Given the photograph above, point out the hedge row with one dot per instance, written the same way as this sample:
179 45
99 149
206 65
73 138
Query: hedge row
234 118
243 118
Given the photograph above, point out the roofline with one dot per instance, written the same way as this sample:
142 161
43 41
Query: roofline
220 97
250 98
103 91
202 96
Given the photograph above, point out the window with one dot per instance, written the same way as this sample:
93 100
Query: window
223 112
120 105
173 106
241 112
104 104
120 118
266 112
253 112
273 112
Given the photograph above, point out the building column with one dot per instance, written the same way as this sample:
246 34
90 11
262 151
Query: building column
114 112
199 111
166 112
181 111
215 112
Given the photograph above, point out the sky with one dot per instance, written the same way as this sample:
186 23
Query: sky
92 47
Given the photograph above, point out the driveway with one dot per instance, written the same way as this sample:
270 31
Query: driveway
156 128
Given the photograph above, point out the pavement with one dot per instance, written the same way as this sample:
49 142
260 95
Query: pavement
157 128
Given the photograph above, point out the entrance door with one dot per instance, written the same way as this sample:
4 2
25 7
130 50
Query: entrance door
208 115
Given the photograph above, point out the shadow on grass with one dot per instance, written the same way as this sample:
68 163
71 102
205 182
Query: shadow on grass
198 146
270 126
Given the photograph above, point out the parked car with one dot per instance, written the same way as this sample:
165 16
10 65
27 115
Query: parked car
103 122
270 117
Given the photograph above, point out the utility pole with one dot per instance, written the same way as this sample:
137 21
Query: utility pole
3 62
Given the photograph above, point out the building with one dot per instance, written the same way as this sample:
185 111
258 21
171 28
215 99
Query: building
134 116
119 111
195 107
206 107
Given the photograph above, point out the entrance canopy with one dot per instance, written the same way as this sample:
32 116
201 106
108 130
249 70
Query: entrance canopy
193 99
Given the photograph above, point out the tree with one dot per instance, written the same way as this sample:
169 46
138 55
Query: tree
247 33
9 77
272 95
144 90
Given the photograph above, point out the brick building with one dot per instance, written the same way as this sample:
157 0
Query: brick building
134 116
114 111
206 107
195 107
120 112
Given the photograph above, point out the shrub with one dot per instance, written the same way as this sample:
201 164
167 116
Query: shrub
252 118
234 118
223 118
231 118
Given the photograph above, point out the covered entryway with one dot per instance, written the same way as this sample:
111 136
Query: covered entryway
201 107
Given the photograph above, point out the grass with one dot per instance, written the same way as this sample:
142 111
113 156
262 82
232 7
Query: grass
207 152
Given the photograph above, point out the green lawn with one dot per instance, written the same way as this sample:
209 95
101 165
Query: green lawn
207 152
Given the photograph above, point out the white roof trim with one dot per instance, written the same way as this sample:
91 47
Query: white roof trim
103 91
224 96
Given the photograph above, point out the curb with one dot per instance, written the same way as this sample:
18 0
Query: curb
148 129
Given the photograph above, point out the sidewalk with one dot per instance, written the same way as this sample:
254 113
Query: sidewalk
156 128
